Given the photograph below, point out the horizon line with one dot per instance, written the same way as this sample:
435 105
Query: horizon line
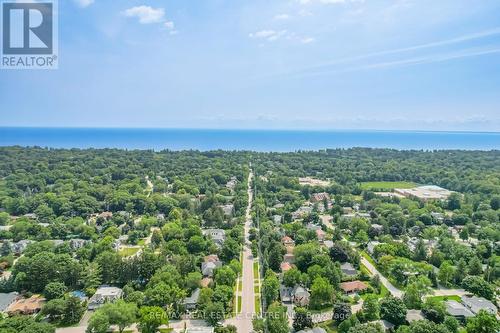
252 129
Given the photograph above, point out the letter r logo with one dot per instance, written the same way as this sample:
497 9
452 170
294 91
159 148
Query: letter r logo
27 28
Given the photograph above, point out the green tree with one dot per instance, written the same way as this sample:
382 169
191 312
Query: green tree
478 286
446 273
321 293
302 319
393 310
341 312
54 290
483 322
271 287
475 266
225 276
214 313
291 277
98 323
277 319
151 318
120 313
371 308
434 310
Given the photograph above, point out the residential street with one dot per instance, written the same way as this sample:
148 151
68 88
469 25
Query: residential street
243 321
393 290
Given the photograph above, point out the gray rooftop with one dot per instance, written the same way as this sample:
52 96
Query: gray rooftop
476 304
457 310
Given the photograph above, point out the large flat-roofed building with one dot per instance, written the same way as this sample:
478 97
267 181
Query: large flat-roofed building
429 192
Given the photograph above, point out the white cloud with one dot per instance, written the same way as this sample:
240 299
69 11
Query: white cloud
169 25
269 35
282 17
84 3
146 14
307 40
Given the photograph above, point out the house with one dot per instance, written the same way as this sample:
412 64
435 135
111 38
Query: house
285 294
300 296
287 241
26 306
320 197
7 300
125 214
356 215
370 247
353 286
313 330
231 184
320 235
19 247
348 269
386 326
457 310
31 216
476 304
289 258
77 243
205 282
347 210
227 209
208 268
301 212
217 235
438 216
285 267
104 294
57 242
328 244
211 258
191 302
105 216
414 315
160 217
277 219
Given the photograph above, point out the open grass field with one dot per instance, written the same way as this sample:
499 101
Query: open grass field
386 185
128 251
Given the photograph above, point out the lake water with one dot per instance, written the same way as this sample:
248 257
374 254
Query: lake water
256 140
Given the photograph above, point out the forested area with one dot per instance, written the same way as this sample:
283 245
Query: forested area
150 223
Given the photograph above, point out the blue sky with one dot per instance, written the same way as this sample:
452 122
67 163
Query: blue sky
308 64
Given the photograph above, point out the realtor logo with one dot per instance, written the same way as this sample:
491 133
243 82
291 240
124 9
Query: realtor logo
29 35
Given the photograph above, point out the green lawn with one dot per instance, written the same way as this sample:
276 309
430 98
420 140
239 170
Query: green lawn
257 304
239 304
367 257
256 289
446 298
128 251
240 285
255 270
386 185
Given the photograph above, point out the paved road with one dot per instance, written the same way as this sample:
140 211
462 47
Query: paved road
243 321
393 290
372 269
